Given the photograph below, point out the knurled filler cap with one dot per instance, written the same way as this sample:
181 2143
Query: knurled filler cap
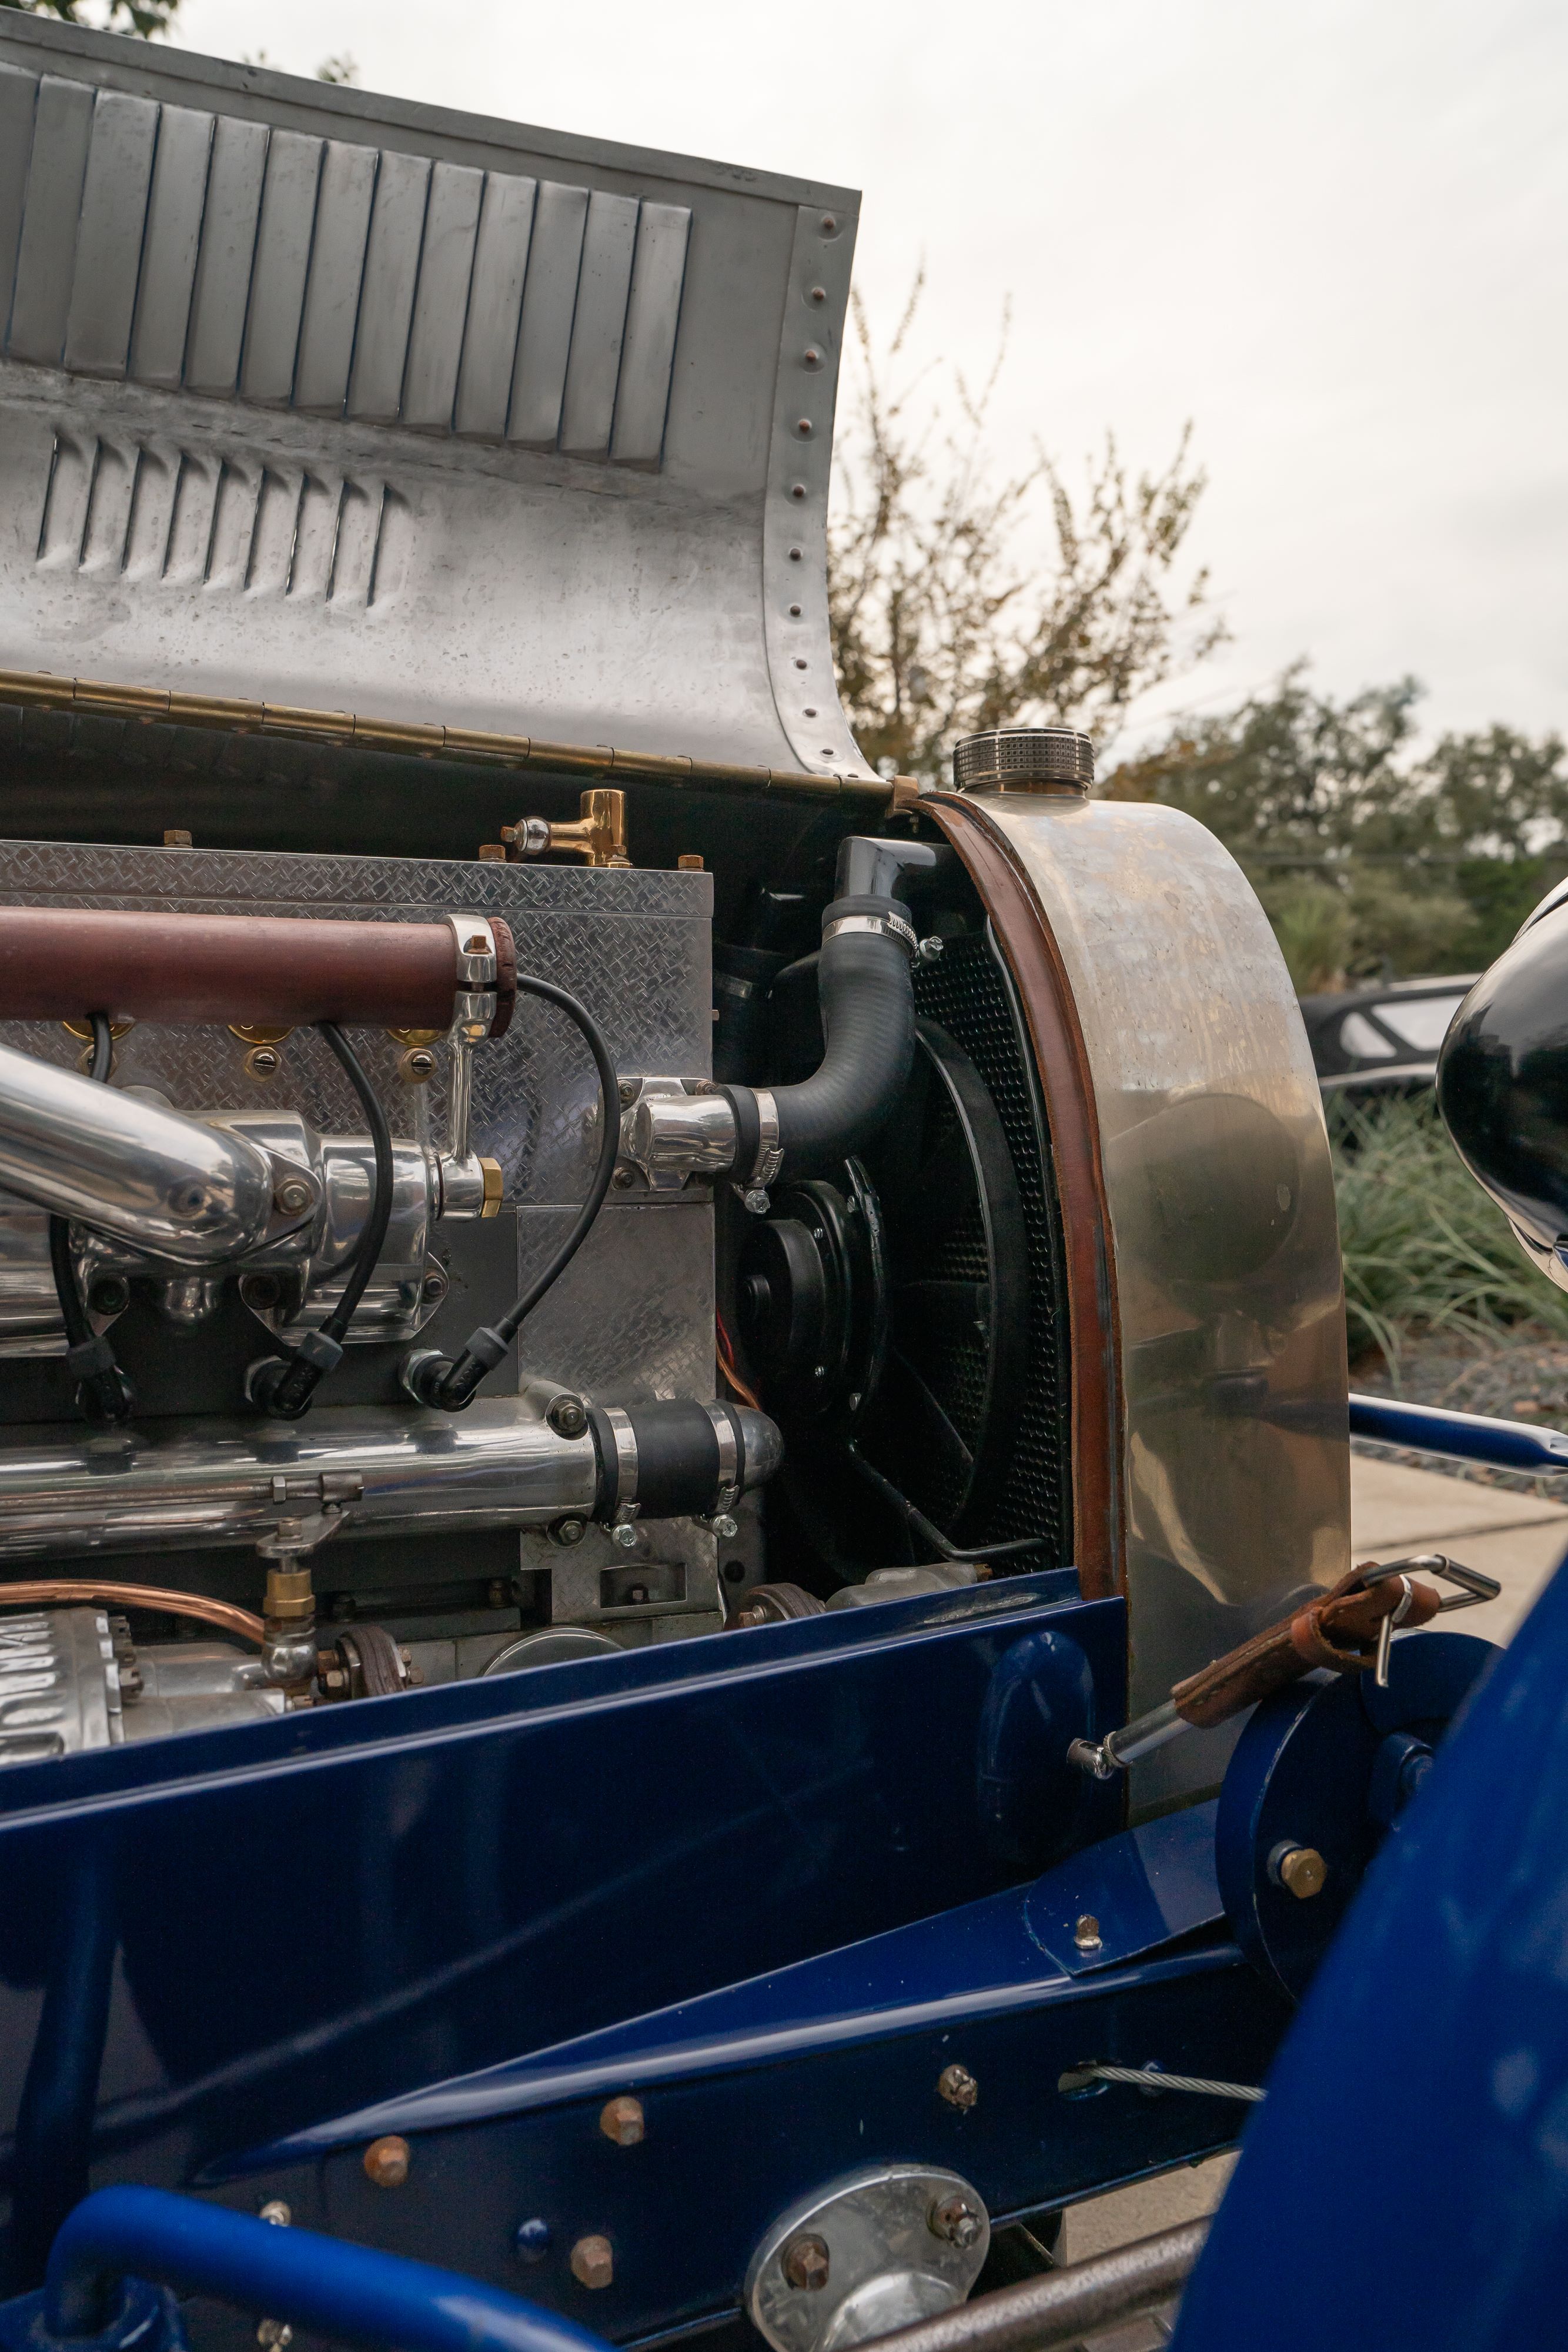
1024 759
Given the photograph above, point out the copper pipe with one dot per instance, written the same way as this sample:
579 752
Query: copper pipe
61 1591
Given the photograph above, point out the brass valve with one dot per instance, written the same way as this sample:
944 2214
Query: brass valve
598 834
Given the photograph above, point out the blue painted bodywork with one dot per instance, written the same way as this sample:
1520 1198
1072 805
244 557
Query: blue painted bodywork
1419 2111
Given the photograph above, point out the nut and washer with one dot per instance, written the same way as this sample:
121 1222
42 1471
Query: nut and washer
1300 1870
262 1063
568 1416
386 2162
593 2262
805 2264
621 2120
292 1196
417 1066
957 2087
956 2221
1086 1932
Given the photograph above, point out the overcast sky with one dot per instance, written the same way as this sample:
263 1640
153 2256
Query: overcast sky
1332 234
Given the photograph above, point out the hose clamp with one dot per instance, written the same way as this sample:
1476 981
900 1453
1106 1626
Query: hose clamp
477 974
625 1438
729 1493
769 1157
893 927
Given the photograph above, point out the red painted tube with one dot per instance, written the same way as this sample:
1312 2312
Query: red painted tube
63 963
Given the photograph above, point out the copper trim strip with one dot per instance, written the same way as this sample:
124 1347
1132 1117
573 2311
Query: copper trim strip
37 689
1068 1085
62 1591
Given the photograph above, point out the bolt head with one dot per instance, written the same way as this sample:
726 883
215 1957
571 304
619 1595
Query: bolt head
434 1287
386 2162
1304 1871
531 2240
956 2221
623 1178
568 1416
805 2262
957 2087
417 1066
626 1535
263 1062
629 1090
292 1194
593 2263
725 1528
621 2120
1086 1932
276 2212
568 1532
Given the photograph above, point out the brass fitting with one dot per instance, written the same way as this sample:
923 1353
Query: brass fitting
289 1594
598 834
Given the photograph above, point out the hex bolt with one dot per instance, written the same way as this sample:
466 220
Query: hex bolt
621 2120
725 1528
623 1178
568 1416
805 2264
1086 1932
626 1535
957 2087
956 2221
566 1532
1301 1871
291 1194
386 2161
629 1090
593 2262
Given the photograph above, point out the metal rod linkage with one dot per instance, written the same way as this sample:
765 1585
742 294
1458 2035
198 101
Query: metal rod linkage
1065 2305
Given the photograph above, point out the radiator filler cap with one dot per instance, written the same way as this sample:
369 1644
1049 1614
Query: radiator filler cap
1024 759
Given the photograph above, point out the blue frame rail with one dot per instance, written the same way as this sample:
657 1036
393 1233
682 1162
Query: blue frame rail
1462 1436
348 2292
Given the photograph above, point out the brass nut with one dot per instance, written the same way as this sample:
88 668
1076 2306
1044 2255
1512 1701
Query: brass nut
494 1185
593 2263
417 1066
957 2087
622 2121
805 2262
1302 1872
386 2161
493 853
1086 1932
289 1595
262 1063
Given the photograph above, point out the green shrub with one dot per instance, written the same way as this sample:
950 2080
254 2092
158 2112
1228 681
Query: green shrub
1425 1249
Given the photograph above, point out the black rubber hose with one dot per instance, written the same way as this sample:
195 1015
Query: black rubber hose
867 1005
103 1392
452 1385
285 1386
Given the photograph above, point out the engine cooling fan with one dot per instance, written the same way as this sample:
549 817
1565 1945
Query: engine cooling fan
885 1309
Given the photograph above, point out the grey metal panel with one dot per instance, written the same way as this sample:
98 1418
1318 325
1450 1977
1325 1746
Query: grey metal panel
224 264
441 306
62 131
337 268
173 237
1236 1469
549 300
593 369
495 305
386 299
109 240
653 314
282 259
18 94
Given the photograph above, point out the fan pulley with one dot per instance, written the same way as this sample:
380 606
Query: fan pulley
890 1300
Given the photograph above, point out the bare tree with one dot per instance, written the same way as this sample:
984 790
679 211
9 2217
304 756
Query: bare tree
147 18
940 627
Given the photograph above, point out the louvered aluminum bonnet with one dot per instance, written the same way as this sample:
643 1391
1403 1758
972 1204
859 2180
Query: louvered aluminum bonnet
320 399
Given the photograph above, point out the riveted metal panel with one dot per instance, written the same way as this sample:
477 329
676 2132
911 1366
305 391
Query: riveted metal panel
18 94
587 407
653 312
224 264
62 132
282 259
495 305
337 271
108 239
386 298
549 305
441 306
173 241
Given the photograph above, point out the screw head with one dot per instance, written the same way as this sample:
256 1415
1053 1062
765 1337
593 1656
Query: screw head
109 1294
386 2162
290 1194
1086 1932
629 1090
434 1287
957 2087
263 1062
956 2221
805 2262
623 1178
621 2120
568 1416
531 2240
593 2262
1304 1871
417 1066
